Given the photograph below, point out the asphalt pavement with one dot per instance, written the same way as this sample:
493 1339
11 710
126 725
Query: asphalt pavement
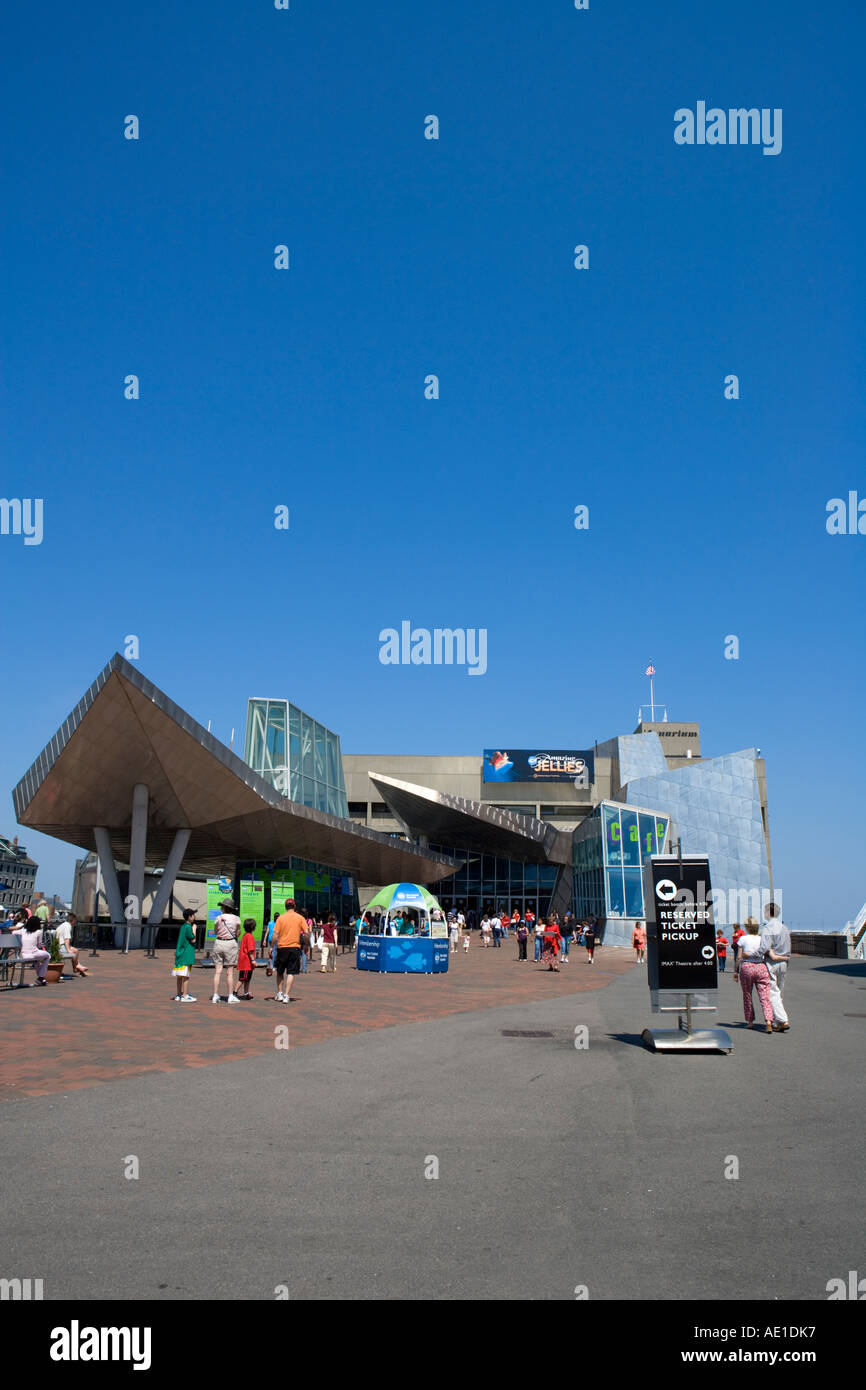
312 1171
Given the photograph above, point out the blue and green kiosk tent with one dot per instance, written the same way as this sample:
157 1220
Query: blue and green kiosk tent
412 935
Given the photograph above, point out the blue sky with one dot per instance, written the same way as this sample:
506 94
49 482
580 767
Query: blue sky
557 387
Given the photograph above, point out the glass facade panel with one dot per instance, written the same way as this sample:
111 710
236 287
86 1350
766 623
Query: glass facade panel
612 834
633 892
319 749
255 735
276 740
332 754
630 841
647 831
615 893
294 737
307 756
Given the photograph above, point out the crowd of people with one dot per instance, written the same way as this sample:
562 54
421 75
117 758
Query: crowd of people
290 939
761 954
287 945
551 937
34 929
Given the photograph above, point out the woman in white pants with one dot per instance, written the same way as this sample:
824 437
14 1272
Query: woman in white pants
329 945
32 947
225 951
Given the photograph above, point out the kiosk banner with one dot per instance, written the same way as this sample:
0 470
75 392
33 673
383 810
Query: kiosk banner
281 888
218 890
252 903
404 955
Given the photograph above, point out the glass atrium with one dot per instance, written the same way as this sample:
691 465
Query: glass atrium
296 754
610 850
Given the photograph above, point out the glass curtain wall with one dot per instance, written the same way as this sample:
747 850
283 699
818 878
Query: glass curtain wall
485 882
317 889
610 850
298 756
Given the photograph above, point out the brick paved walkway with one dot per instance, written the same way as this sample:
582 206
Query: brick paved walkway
123 1021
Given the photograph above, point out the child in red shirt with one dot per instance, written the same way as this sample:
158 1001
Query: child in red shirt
247 957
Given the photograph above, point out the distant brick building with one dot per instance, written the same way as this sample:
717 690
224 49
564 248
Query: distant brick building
17 873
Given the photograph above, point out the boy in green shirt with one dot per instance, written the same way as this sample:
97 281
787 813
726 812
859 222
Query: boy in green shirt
184 957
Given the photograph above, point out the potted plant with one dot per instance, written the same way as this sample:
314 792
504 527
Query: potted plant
54 969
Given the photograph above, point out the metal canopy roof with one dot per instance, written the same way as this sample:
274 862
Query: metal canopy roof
459 821
125 731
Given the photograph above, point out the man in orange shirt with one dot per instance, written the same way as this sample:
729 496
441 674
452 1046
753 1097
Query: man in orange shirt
288 930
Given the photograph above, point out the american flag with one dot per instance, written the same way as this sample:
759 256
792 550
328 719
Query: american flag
650 671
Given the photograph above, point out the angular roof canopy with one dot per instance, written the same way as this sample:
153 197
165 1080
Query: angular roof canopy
125 731
459 821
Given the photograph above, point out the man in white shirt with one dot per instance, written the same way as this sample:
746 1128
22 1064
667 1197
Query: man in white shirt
63 934
776 945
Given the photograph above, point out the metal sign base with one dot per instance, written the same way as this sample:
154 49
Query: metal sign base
685 1038
677 1040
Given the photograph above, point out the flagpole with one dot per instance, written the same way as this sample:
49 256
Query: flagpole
652 703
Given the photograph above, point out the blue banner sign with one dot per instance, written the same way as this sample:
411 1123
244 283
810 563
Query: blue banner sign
539 765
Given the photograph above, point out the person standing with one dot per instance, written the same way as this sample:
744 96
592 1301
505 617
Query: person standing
184 957
776 942
496 924
485 931
638 941
522 938
269 946
567 930
306 944
454 934
750 970
721 950
329 945
552 944
589 940
289 929
539 938
227 929
247 957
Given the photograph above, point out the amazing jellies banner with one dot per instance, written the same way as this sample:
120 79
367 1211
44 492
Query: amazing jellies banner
539 765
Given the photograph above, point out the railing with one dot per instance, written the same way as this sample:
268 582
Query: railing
808 943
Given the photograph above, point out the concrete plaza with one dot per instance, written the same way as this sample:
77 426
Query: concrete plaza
305 1168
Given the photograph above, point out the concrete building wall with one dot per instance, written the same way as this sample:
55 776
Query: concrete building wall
461 775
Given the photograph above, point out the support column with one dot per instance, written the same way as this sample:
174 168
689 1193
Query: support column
109 873
137 853
169 874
